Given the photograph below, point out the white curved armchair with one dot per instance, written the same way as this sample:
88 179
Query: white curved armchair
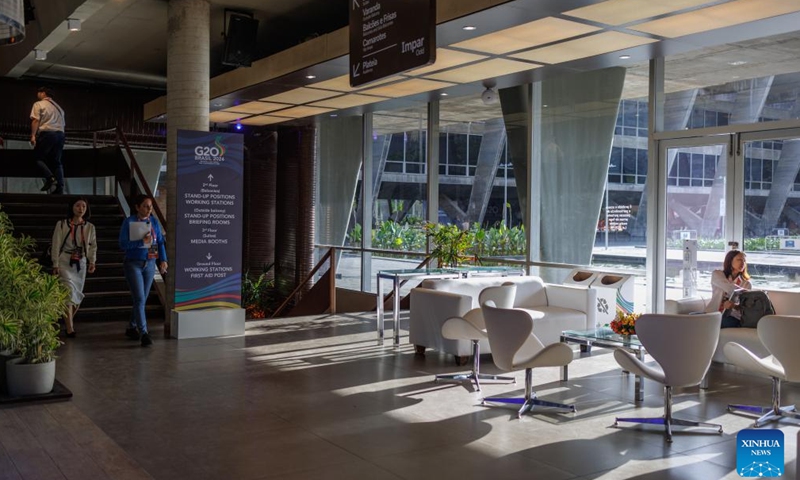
514 346
779 333
472 327
683 346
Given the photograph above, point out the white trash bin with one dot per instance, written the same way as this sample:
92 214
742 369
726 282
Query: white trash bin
614 294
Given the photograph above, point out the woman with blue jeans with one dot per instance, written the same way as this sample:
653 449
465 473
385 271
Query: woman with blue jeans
141 253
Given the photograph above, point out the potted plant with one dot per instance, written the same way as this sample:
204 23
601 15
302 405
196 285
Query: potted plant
451 244
31 302
9 329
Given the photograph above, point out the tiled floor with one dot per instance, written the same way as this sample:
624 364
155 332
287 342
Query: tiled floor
315 398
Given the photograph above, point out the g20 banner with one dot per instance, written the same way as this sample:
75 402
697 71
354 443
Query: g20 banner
208 235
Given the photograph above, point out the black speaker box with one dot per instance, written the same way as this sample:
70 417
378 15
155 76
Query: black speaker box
240 43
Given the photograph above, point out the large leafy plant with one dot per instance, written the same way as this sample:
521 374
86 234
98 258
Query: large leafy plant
31 301
451 245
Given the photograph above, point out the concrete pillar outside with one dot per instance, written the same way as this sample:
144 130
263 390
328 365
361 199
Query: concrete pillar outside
187 98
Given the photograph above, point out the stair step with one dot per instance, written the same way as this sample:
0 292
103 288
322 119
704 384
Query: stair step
121 299
40 219
106 291
122 314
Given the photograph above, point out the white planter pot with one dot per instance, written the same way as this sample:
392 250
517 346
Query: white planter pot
30 379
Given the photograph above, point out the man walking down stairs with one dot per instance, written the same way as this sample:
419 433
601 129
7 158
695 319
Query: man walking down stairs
108 297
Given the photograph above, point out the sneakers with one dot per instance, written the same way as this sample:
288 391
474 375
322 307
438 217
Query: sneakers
146 340
48 184
132 333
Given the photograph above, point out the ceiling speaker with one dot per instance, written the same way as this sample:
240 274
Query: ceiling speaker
240 41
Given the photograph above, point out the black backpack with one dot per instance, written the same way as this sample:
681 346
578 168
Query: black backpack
753 305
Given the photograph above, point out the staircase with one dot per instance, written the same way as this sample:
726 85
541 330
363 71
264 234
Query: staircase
107 294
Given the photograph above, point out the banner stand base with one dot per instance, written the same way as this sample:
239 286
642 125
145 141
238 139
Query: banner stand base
207 323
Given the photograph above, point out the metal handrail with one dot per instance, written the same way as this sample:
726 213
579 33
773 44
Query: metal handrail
137 172
328 255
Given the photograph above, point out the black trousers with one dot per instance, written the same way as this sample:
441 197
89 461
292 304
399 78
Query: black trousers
47 153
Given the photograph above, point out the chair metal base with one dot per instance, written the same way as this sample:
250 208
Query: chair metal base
474 377
529 401
475 374
668 424
668 420
769 414
527 404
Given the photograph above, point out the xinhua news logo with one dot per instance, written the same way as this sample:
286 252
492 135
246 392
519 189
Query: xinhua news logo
759 453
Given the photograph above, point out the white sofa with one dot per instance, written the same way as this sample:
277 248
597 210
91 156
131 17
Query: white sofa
785 303
554 308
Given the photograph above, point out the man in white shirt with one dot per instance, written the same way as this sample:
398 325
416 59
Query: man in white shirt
47 138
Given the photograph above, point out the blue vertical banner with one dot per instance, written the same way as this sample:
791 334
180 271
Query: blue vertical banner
208 263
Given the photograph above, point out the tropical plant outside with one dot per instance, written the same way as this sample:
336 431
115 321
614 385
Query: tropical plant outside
497 241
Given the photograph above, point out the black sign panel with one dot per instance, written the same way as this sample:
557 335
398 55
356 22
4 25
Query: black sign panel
390 36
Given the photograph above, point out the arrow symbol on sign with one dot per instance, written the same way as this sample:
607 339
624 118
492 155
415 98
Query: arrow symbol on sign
355 69
209 256
211 177
355 4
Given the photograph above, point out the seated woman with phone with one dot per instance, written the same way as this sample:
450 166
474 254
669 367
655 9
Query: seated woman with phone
725 284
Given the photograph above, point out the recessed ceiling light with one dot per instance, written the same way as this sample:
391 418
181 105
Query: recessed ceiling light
624 57
469 28
443 94
544 106
737 63
217 104
311 77
334 115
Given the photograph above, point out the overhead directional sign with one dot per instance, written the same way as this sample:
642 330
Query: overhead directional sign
390 36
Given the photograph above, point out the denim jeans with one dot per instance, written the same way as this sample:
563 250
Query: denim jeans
139 274
47 153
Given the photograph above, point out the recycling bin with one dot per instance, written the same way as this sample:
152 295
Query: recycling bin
580 277
614 294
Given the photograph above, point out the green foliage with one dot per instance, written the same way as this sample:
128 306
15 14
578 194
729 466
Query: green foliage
262 295
451 245
31 301
410 235
391 235
355 235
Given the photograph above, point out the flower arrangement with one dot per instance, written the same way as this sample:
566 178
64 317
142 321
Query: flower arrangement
625 323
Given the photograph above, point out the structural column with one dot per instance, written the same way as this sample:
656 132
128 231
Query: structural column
187 98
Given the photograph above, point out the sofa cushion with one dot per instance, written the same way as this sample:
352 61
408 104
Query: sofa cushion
549 322
530 289
746 337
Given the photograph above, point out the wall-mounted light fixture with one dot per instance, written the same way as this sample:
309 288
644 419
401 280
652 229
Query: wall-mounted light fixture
39 54
74 24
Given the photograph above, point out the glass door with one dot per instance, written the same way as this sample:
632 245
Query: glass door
693 209
696 226
770 162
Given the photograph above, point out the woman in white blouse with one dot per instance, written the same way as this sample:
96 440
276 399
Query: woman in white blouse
74 252
724 283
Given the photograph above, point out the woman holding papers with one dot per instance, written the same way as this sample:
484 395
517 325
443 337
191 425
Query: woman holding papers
724 283
143 242
74 252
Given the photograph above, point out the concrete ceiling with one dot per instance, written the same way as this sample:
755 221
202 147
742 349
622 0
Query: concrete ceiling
125 41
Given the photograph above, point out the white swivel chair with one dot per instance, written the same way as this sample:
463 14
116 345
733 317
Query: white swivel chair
472 327
683 346
779 334
514 345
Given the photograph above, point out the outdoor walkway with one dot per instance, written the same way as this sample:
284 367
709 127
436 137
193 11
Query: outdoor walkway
315 398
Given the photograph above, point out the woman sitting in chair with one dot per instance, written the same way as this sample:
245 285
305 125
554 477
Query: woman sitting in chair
724 283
